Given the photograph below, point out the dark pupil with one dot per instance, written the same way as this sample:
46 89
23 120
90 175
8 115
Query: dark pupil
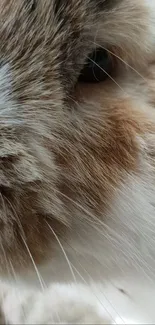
97 67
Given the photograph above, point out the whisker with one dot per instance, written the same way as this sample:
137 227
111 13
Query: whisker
1 244
116 83
41 281
115 239
13 271
12 275
76 270
123 61
132 253
75 251
6 260
16 215
66 257
84 280
22 234
18 292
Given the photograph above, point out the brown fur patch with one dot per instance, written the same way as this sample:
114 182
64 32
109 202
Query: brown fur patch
100 150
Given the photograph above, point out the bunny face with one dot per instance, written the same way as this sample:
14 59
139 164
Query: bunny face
65 148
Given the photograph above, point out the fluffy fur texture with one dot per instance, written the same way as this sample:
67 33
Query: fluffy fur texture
77 168
70 304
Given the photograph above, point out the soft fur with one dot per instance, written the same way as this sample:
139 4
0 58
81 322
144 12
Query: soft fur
77 162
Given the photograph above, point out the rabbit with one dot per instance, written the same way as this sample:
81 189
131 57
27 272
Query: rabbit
77 166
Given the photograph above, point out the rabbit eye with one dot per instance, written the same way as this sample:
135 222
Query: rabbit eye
97 68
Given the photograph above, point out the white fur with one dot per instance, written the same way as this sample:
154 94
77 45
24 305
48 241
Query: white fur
81 305
57 304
